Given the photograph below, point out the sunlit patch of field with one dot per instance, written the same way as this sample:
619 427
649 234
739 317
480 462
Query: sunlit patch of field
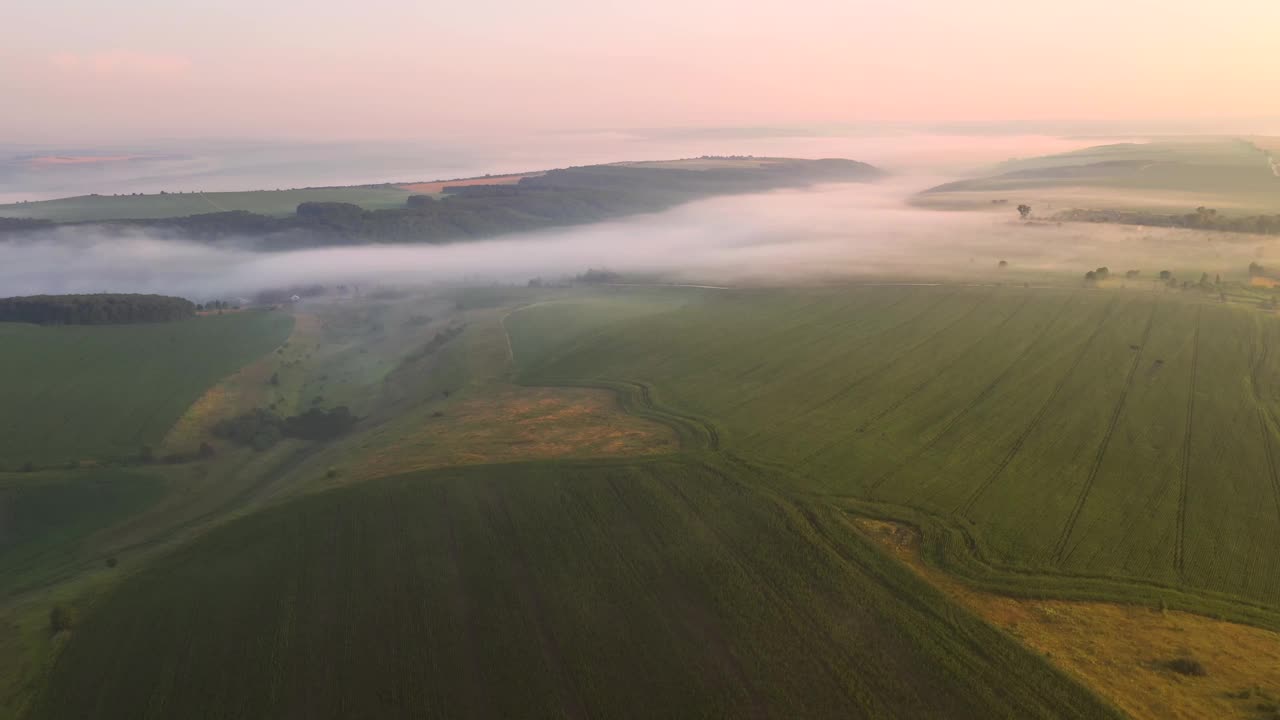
710 163
519 423
1123 651
438 186
247 388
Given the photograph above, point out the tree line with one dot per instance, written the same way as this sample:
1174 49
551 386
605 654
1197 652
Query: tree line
1202 219
260 428
97 309
557 198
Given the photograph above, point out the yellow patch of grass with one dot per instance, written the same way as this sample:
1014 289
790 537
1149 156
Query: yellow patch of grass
438 186
519 423
243 390
1123 651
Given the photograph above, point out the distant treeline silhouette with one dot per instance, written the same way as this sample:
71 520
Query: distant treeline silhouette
98 309
1202 219
559 197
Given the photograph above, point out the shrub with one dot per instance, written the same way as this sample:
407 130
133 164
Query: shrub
61 618
1186 666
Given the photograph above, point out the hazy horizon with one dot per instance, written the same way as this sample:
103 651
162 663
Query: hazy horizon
30 173
390 69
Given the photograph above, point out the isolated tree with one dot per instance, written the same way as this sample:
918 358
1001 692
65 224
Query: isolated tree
1024 211
1003 264
1091 277
1131 274
1166 275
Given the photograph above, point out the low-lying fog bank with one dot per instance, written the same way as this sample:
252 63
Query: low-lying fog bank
829 232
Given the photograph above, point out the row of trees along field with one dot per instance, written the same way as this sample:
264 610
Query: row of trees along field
97 309
1202 219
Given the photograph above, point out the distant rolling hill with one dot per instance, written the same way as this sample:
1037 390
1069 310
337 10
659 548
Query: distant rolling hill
1234 176
432 212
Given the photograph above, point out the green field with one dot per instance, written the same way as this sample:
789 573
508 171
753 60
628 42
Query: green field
1234 176
663 589
1105 443
279 203
1106 434
45 518
74 393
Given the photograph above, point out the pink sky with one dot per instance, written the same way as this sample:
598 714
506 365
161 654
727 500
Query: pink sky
88 70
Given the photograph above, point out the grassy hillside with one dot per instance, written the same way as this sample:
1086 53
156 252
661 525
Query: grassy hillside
660 589
1234 176
278 203
75 393
45 518
1090 433
555 198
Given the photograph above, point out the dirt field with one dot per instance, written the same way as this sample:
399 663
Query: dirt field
1123 651
429 188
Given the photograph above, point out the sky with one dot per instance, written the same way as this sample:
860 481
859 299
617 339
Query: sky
89 71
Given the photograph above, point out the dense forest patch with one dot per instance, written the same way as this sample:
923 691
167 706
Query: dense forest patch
95 309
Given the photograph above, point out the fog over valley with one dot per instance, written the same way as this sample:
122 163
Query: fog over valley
829 232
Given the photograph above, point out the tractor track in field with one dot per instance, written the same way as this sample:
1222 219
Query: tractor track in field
1043 410
982 395
1060 547
1264 425
855 327
777 596
575 707
935 374
880 369
694 619
1179 552
646 399
460 603
898 356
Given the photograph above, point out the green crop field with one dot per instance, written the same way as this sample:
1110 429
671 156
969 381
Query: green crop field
1103 443
85 208
46 518
1124 435
75 393
660 589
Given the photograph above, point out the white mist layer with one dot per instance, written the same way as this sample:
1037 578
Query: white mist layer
834 231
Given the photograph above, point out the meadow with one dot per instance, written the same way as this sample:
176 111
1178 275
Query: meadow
1122 435
624 589
91 393
276 203
47 518
1234 176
